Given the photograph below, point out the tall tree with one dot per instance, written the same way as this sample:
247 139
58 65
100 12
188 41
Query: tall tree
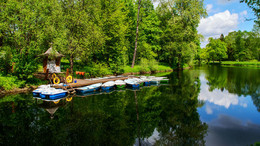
149 33
136 37
180 31
217 49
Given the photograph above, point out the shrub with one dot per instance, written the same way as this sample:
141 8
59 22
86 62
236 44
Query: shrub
153 65
10 82
144 65
99 69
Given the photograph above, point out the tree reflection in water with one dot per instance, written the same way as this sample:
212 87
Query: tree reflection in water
118 118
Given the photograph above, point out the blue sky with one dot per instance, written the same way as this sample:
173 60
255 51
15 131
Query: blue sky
224 16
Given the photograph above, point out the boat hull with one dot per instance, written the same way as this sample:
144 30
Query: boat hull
107 88
53 96
133 85
88 90
147 83
155 82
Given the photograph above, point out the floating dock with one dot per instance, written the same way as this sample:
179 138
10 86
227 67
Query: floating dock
86 82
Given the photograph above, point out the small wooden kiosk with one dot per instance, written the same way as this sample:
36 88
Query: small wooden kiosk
51 61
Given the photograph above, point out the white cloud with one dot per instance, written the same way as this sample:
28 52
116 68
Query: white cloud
218 97
220 23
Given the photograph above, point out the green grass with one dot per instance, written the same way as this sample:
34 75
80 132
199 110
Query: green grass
129 69
245 63
240 63
137 68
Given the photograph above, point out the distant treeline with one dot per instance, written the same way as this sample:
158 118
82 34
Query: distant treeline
98 32
236 46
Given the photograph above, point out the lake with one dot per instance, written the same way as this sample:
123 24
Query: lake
207 105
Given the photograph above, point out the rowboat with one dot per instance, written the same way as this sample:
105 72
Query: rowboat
108 85
132 83
90 88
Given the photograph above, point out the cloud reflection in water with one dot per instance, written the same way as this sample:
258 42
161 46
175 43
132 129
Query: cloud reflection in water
226 131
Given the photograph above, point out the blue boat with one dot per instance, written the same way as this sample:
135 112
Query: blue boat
147 83
108 85
90 88
53 94
40 89
132 83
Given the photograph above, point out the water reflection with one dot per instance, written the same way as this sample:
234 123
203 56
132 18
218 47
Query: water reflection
231 96
226 131
198 107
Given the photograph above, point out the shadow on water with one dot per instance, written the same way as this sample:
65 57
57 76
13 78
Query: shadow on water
154 115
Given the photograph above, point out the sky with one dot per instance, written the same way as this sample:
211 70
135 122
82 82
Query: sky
224 16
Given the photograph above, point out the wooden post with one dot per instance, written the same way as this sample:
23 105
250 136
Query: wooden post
46 75
67 73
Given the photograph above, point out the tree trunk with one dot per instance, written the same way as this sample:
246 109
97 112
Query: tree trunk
179 62
136 37
71 64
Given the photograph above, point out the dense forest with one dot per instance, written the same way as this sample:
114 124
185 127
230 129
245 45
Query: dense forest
236 46
102 34
98 32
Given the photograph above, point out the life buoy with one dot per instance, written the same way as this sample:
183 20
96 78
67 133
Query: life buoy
69 79
56 102
56 80
53 75
69 99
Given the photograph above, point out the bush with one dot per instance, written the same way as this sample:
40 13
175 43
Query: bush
153 65
144 65
10 82
99 69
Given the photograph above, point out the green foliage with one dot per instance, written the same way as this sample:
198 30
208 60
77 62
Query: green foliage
99 70
144 65
216 49
243 46
179 20
10 82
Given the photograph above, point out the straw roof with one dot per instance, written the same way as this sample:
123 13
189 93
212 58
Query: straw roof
52 52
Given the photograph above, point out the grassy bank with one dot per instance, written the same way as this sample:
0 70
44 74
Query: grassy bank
239 63
101 69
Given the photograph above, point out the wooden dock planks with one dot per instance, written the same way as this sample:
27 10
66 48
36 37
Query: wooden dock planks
82 82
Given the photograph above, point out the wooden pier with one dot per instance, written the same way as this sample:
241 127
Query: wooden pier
83 82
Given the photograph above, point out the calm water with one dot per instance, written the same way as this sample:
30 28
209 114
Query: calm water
203 106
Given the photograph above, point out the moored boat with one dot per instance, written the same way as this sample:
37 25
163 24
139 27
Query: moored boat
132 83
90 88
108 85
53 94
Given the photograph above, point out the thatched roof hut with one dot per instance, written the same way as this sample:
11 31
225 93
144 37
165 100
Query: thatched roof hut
51 61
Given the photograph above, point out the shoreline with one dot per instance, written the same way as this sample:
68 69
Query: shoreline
32 87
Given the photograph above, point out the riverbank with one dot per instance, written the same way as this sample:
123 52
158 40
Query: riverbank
241 63
11 85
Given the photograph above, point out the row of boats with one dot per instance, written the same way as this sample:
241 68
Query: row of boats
48 92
